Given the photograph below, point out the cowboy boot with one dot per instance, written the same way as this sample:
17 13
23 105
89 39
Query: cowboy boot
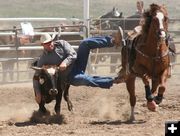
117 37
123 73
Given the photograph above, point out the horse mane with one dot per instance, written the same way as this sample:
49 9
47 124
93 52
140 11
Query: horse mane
150 13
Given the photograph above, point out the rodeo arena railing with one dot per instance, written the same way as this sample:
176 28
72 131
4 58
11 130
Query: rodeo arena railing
20 46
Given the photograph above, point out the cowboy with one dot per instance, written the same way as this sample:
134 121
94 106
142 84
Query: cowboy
72 65
55 53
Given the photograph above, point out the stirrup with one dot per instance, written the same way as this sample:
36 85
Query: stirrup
122 35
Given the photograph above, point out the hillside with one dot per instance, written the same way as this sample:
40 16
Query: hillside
70 8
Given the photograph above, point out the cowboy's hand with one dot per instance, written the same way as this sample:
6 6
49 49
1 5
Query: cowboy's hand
62 66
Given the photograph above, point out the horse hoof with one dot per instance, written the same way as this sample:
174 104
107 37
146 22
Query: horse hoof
131 120
158 99
152 106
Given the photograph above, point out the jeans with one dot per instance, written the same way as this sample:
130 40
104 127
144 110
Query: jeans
78 76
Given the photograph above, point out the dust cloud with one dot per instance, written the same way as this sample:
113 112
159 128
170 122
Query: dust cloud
105 107
16 114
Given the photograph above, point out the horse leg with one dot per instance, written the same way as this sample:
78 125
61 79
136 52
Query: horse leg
159 97
162 87
130 85
57 107
155 87
66 98
149 96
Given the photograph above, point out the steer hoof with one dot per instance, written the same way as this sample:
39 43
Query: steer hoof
70 106
42 110
58 113
152 106
57 110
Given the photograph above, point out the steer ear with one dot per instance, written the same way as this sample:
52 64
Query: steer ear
36 68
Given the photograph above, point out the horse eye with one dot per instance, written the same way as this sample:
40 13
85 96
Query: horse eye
165 18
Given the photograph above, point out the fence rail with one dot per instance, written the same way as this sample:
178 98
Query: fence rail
21 71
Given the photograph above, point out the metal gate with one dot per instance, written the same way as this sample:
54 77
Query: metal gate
14 66
18 51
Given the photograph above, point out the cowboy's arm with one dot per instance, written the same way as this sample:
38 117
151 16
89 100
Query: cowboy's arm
71 55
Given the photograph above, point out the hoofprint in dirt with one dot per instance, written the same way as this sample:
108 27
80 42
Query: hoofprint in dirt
97 112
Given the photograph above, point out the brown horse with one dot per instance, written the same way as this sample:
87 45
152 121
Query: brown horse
151 61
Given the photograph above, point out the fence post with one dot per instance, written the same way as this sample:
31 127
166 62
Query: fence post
16 45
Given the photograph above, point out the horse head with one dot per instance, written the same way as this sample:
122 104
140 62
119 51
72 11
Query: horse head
156 21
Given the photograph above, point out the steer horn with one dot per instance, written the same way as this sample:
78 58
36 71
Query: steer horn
36 68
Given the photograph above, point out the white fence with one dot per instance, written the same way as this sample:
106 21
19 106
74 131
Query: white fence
18 51
16 57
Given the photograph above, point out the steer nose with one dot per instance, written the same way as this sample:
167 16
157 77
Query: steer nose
53 91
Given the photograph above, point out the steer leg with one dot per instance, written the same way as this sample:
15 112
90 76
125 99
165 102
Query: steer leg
57 107
66 97
42 107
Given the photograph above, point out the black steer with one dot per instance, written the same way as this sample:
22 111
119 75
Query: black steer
52 88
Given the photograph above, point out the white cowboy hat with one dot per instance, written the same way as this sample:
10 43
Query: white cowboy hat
45 38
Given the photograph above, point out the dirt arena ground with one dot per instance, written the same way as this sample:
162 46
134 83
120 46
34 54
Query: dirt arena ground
97 112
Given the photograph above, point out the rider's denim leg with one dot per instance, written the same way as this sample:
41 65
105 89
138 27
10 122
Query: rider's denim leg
78 76
85 47
93 81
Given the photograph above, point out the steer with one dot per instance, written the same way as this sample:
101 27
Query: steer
51 87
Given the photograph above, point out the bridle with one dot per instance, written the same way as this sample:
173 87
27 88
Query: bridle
161 36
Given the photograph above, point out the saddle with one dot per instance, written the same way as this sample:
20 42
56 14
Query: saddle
132 38
129 53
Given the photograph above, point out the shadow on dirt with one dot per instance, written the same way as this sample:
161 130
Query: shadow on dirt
40 118
117 122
